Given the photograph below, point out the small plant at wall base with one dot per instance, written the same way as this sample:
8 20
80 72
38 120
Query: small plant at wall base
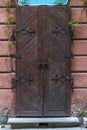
85 2
85 113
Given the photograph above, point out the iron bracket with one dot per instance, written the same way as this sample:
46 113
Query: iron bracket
22 80
63 79
22 32
16 57
63 31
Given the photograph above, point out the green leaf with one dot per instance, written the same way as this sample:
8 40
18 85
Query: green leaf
73 23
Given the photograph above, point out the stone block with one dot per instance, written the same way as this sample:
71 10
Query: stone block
6 31
6 80
78 14
80 80
76 2
85 122
5 49
80 31
79 63
79 47
4 14
52 122
6 65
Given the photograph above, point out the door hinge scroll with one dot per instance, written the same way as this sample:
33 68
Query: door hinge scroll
22 80
64 79
63 31
23 31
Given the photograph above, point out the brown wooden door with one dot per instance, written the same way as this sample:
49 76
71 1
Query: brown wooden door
42 67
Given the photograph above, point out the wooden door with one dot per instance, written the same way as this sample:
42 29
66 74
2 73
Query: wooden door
57 50
42 68
28 88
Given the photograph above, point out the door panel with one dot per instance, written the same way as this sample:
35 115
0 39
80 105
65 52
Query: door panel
43 69
57 46
28 89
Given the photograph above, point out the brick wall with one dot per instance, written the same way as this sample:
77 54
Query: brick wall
6 72
79 48
79 63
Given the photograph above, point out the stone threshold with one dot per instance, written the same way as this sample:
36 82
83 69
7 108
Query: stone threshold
43 122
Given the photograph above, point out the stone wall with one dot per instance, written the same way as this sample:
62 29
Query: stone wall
79 63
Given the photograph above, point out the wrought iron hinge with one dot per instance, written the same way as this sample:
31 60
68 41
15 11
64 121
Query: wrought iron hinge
30 31
13 38
69 79
13 84
63 31
63 79
22 80
16 56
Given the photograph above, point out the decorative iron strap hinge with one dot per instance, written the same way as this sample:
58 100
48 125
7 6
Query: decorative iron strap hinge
16 57
63 31
64 79
22 80
30 31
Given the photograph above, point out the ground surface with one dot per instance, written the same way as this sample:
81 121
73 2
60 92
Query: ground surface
74 128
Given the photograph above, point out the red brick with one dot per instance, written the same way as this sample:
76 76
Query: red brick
5 64
6 80
76 2
5 49
80 31
6 2
4 15
78 14
78 95
79 47
6 99
80 80
79 63
5 31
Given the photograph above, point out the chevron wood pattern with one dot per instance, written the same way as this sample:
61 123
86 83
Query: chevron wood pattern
42 96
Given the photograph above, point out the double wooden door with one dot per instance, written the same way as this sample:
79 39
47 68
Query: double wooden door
43 79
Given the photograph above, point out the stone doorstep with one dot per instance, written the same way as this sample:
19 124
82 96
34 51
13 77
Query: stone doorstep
85 122
45 122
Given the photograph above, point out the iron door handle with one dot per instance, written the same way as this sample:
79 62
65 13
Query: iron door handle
45 65
40 65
